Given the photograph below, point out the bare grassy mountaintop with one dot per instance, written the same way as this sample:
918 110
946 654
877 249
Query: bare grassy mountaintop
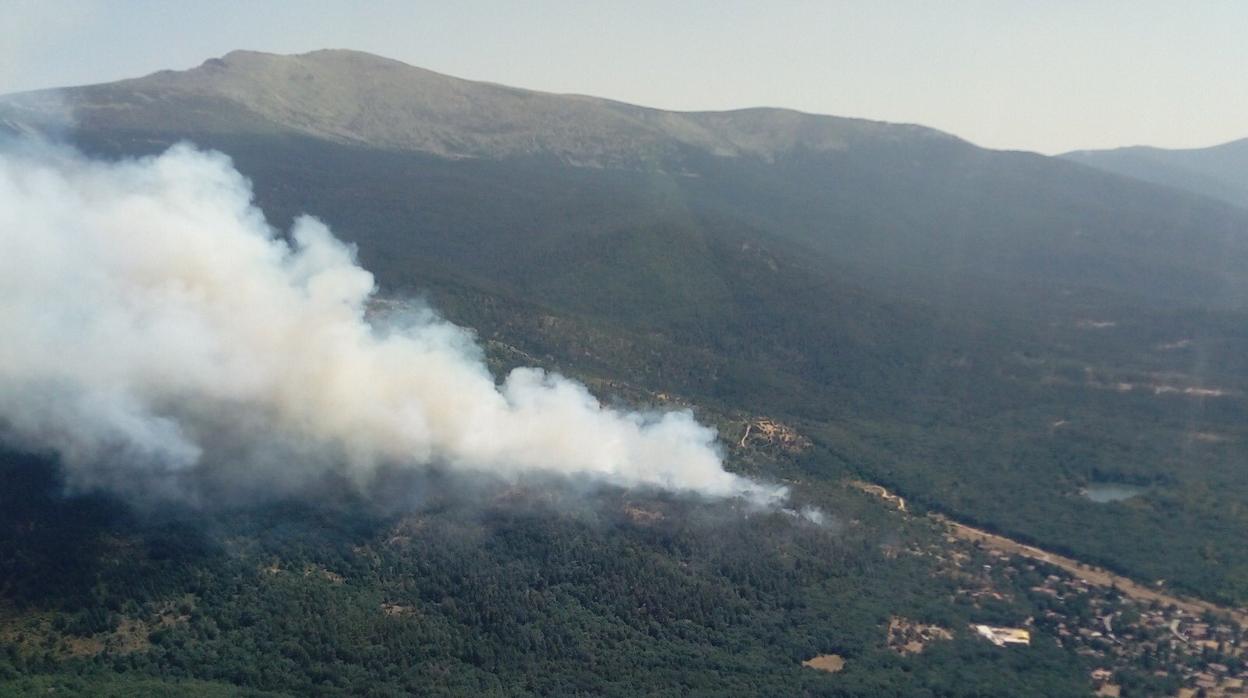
361 99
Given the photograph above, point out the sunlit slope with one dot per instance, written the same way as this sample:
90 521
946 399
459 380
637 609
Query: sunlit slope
360 99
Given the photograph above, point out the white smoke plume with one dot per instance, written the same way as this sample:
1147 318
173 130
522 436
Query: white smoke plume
154 325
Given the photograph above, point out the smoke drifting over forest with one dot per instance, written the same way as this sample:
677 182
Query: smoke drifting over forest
157 329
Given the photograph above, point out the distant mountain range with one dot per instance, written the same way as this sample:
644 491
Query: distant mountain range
1219 172
984 331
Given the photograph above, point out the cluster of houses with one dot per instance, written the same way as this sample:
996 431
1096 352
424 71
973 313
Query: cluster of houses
1132 636
1202 653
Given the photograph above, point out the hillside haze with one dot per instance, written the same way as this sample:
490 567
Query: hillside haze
1219 172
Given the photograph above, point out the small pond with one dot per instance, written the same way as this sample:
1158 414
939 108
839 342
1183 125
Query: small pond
1105 492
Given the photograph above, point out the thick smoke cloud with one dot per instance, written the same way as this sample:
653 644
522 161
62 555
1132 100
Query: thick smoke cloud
157 329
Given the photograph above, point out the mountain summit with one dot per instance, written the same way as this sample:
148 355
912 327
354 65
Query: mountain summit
890 204
362 99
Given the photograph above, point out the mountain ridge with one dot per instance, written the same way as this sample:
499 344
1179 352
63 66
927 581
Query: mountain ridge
358 98
1217 171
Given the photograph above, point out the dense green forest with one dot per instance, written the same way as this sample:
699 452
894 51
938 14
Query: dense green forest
984 332
994 416
498 590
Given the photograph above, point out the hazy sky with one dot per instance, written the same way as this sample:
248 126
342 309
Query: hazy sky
1048 75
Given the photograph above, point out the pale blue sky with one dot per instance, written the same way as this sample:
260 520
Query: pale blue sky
1049 75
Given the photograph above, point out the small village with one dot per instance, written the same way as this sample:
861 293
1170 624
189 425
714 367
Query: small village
1137 640
1125 639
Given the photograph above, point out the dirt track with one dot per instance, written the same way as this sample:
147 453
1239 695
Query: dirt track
1092 575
